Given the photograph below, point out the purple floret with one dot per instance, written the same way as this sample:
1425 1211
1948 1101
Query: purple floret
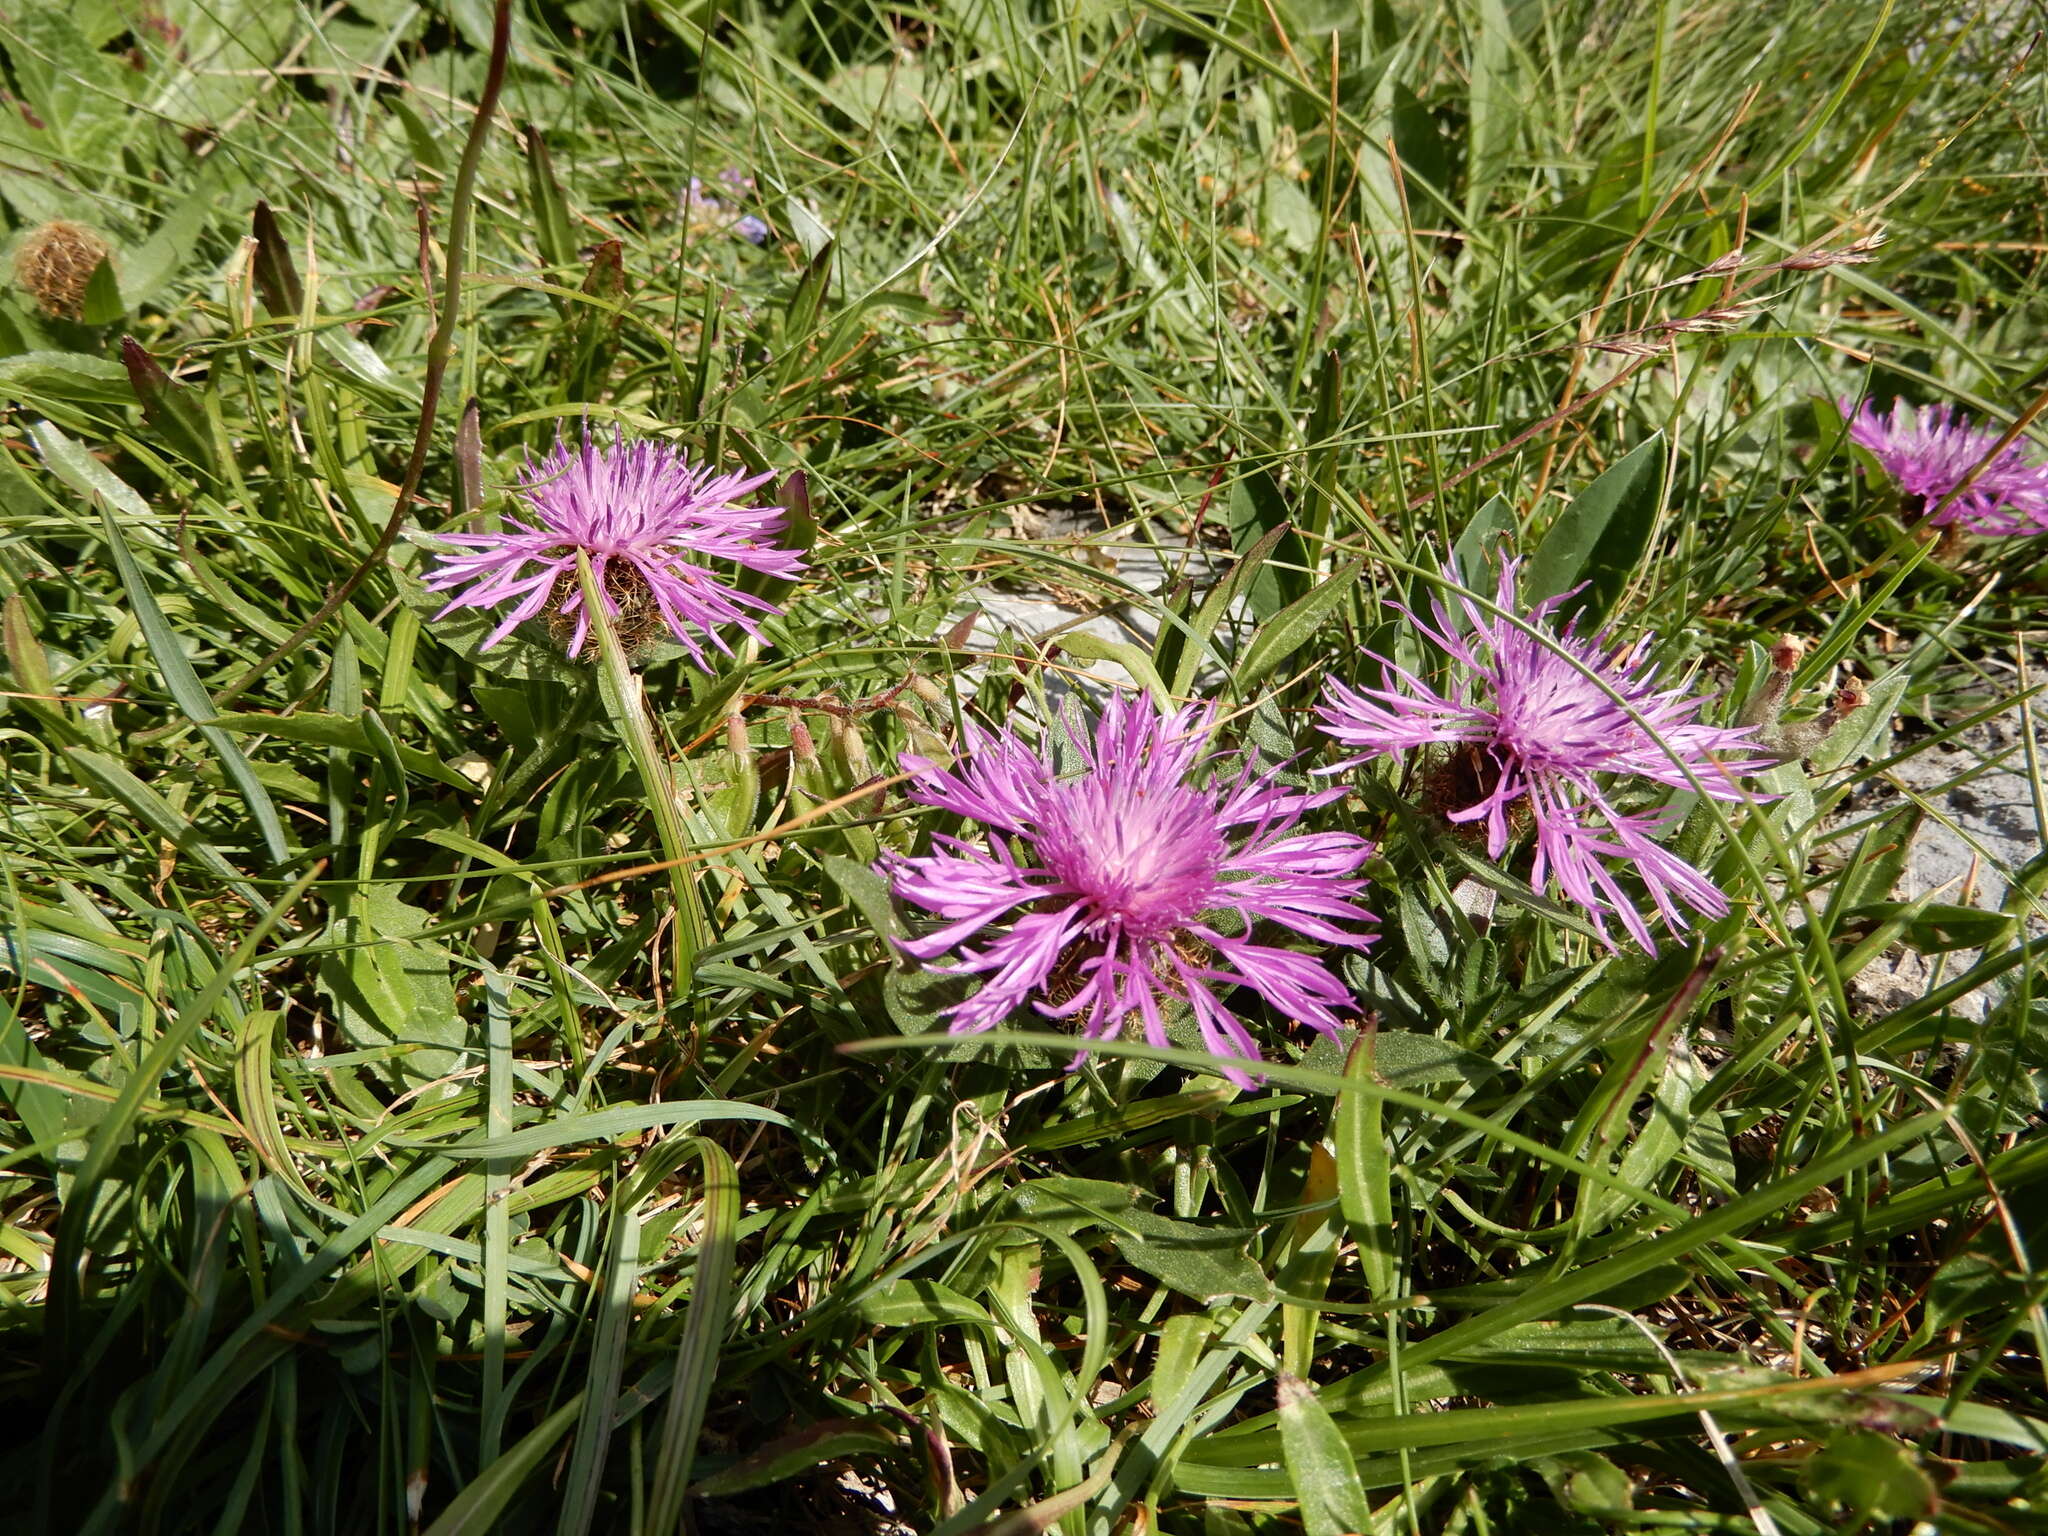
1928 451
1528 729
643 513
1098 893
708 212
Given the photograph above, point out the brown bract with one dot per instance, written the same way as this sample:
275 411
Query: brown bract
636 617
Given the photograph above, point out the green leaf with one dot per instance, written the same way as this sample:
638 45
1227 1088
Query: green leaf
1587 1483
1132 658
78 93
1364 1171
479 1508
1402 1059
1600 538
919 1303
154 264
600 1125
1868 1476
102 302
349 733
31 376
1492 526
791 1454
1232 586
1207 1261
393 988
1319 1464
1867 725
1291 628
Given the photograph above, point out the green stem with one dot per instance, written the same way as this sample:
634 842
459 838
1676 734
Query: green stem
625 701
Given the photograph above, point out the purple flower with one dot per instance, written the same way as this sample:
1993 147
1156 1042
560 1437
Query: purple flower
1928 451
1099 893
641 511
1524 735
708 213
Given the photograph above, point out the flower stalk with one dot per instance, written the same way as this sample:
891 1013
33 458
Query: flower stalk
625 701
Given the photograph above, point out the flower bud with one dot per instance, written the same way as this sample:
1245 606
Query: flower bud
801 746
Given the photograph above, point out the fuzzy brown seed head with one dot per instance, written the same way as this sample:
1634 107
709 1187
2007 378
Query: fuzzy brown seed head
1849 698
926 689
54 263
736 738
1786 654
636 617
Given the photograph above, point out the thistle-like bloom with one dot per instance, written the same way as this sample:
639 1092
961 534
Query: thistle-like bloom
643 514
1522 734
708 213
1102 893
1928 451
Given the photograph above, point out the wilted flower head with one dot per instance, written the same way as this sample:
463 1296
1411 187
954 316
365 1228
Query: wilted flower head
708 213
1928 451
643 514
1523 734
1102 893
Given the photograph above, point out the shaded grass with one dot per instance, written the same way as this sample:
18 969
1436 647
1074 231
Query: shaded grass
369 1166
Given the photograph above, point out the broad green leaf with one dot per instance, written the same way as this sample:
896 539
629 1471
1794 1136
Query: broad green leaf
1319 1465
1600 538
1132 658
1231 587
1204 1260
916 1302
1868 1476
31 377
391 987
1291 628
1490 534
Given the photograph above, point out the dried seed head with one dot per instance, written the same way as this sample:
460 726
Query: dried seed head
1848 698
1625 346
926 689
736 738
1720 266
54 263
1708 321
1854 254
1786 654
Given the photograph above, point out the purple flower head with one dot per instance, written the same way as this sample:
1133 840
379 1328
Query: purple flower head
1928 451
643 513
1531 738
709 213
1098 894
